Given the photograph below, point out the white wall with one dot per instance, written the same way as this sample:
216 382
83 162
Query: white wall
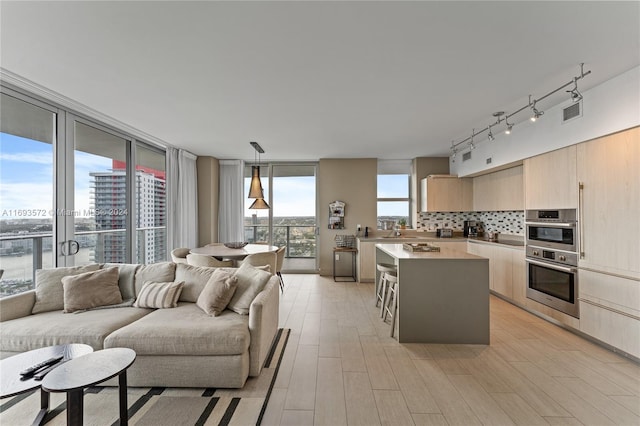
608 108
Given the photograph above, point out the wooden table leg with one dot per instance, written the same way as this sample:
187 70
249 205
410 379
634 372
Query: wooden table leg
75 407
122 388
44 408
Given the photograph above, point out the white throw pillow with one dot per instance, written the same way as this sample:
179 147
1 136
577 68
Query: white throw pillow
159 295
217 292
49 290
251 281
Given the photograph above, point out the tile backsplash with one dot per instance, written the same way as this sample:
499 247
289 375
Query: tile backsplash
505 222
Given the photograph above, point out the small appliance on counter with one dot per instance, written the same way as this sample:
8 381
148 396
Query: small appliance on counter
471 228
492 235
444 232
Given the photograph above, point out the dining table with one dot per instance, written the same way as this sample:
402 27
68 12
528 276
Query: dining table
220 251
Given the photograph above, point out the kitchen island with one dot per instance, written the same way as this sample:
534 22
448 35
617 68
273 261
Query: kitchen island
443 297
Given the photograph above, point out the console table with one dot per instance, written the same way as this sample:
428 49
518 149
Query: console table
353 251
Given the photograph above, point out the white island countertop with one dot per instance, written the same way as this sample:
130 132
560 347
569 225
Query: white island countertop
397 251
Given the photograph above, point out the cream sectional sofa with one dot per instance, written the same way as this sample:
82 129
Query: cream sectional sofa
177 347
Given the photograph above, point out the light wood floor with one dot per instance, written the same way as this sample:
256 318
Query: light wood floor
341 367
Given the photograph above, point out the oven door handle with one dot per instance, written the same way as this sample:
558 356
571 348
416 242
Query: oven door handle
551 266
553 224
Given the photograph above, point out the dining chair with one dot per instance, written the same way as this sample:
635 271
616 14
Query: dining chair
279 263
261 259
204 260
179 255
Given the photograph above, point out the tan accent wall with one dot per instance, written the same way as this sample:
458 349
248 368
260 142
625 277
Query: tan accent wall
421 167
208 195
354 182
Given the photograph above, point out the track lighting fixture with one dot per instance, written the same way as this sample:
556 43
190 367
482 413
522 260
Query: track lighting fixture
536 113
576 96
509 126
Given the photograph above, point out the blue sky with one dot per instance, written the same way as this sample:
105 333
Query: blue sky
26 175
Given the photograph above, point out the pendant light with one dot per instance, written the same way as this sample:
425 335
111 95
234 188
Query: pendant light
255 187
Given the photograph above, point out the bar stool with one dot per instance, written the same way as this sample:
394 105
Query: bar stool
381 292
391 302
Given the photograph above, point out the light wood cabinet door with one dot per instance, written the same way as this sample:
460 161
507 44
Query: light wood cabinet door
609 213
366 261
519 276
502 271
499 191
610 310
484 250
441 193
550 180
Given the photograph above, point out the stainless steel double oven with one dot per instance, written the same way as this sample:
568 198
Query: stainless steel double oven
552 259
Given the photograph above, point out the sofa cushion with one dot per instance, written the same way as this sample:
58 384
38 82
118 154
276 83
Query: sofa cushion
195 279
218 292
126 279
159 295
185 330
251 281
91 289
49 290
156 272
57 328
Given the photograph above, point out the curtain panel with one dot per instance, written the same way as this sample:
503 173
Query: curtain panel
230 215
182 209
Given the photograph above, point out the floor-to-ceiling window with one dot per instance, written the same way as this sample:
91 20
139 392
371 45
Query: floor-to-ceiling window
290 190
74 191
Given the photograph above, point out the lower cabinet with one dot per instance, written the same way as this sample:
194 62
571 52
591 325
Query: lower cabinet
507 273
366 261
610 309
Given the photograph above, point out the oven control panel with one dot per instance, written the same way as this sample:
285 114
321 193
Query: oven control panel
556 256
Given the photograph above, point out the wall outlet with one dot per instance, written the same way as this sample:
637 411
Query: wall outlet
337 256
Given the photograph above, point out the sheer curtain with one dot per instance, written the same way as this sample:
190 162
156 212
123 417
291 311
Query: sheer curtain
230 215
182 209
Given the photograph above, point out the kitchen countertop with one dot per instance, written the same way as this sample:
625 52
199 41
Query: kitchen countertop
398 252
512 241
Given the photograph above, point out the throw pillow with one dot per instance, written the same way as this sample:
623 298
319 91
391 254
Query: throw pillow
161 272
218 292
49 290
91 289
159 295
195 279
251 281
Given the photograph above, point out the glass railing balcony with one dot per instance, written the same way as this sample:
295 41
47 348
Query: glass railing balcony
300 240
21 255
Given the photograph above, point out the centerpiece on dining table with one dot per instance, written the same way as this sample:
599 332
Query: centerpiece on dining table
236 244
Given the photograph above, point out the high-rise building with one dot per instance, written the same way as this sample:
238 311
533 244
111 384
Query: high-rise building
111 214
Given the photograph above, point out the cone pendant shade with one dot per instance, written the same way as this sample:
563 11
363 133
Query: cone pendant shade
259 203
255 188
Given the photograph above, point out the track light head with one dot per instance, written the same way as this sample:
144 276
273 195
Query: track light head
509 125
536 113
490 136
576 96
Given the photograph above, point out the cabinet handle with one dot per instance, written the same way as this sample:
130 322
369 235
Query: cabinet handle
581 218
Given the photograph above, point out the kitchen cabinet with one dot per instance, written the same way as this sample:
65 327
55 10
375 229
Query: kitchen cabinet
608 170
550 180
507 274
366 261
446 193
499 191
610 310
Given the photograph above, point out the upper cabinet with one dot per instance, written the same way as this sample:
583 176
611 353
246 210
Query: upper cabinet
609 203
502 190
446 193
550 180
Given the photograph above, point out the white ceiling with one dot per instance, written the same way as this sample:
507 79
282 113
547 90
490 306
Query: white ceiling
311 80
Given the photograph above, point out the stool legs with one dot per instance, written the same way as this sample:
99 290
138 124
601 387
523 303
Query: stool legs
390 306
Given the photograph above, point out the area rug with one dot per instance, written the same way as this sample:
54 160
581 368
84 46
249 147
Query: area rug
161 406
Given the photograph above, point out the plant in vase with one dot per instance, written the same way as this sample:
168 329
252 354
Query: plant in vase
403 223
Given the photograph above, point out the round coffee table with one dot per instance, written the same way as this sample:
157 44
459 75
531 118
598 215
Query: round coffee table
11 383
76 375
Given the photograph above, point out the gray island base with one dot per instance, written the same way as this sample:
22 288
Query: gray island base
443 297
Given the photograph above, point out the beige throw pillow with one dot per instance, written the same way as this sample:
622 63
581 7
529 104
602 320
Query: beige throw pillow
217 293
49 290
159 295
91 289
251 281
